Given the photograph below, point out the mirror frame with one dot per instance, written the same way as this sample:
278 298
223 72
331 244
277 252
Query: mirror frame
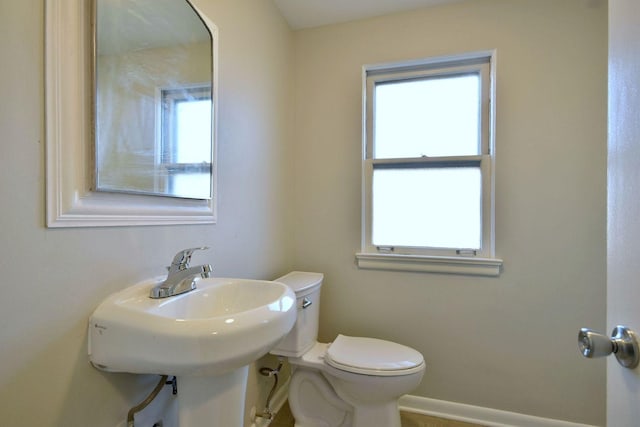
70 201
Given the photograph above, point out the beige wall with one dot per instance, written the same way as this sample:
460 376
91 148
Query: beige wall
510 342
51 280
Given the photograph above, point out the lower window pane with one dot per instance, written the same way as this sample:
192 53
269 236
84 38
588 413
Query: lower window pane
429 207
191 185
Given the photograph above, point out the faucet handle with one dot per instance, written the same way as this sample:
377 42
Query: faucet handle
181 259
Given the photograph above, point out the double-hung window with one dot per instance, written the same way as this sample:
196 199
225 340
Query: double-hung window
428 166
185 144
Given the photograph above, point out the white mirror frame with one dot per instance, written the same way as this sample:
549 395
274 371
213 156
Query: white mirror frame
69 140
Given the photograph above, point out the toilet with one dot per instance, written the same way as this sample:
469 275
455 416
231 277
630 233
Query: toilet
351 382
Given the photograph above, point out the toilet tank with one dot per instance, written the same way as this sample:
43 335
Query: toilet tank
305 331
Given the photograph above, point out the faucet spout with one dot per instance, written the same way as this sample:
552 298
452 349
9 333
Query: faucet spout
181 277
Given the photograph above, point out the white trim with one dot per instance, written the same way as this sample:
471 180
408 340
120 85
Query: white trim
477 414
430 264
435 61
450 411
70 201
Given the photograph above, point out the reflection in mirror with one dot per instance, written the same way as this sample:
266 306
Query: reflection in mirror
153 91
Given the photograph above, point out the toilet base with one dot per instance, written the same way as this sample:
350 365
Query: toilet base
314 403
387 415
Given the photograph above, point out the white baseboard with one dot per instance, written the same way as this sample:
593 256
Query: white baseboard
449 410
477 414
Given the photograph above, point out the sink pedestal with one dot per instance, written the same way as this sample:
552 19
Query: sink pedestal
212 401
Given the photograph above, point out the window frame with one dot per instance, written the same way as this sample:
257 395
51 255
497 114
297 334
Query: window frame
446 260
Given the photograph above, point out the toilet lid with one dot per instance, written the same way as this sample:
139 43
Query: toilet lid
372 356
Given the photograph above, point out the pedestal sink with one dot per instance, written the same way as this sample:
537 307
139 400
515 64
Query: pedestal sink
206 338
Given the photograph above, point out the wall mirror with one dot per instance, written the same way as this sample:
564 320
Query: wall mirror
149 166
152 99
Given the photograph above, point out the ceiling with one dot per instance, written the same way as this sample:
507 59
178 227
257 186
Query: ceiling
313 13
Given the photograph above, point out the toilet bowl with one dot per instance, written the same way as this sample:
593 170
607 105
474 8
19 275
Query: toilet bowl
351 382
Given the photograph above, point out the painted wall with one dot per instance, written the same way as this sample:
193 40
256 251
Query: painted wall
51 280
509 342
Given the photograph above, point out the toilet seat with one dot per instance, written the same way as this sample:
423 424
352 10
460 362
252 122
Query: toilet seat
370 356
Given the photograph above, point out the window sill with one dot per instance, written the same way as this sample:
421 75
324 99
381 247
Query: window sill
430 264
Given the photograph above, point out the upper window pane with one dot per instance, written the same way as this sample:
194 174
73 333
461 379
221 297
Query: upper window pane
435 116
193 131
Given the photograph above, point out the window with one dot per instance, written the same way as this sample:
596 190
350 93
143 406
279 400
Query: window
185 152
428 166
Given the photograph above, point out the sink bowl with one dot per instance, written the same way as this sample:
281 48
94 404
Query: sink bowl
221 326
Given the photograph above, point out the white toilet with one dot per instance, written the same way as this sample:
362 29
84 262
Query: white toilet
352 382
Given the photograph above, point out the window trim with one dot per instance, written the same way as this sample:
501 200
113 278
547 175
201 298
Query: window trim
482 262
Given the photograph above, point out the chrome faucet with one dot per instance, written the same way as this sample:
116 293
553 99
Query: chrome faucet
181 277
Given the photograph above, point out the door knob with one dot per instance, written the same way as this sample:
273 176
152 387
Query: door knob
623 343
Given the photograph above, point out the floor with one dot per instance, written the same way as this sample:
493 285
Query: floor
285 419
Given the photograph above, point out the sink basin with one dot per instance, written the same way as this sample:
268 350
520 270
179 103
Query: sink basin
221 326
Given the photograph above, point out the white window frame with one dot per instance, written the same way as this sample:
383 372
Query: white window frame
440 260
